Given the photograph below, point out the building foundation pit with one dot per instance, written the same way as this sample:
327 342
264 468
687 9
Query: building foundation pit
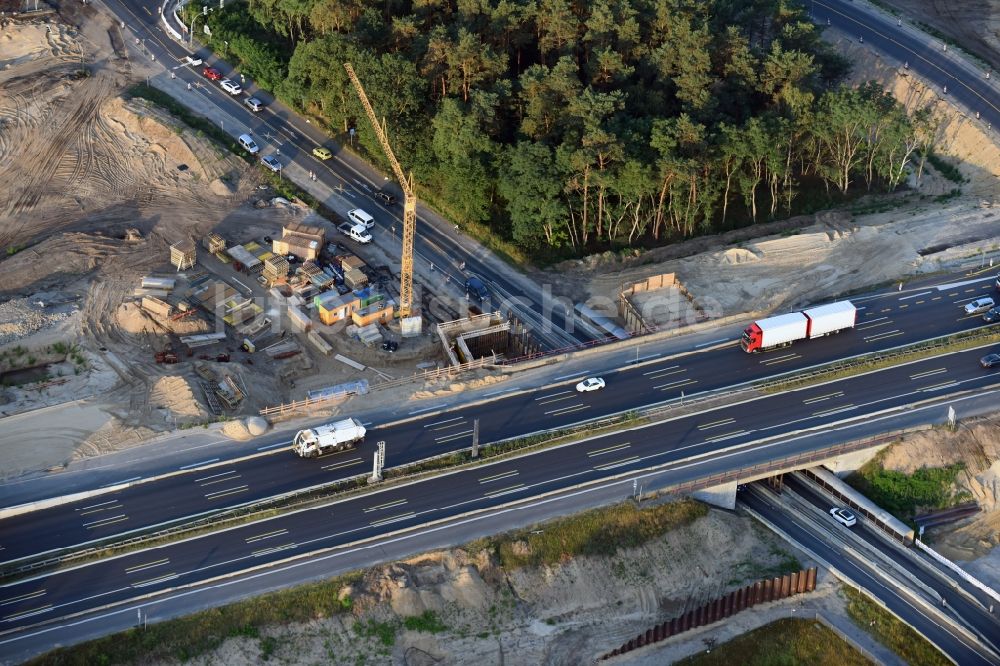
492 341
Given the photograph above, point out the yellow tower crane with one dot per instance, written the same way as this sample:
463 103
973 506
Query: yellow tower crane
409 200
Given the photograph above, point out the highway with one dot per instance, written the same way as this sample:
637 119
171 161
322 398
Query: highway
827 540
725 438
916 52
888 319
962 598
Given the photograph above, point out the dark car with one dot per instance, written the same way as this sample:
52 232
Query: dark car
474 287
992 315
386 198
390 346
212 74
990 361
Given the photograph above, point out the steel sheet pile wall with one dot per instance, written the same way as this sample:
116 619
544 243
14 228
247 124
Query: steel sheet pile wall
771 589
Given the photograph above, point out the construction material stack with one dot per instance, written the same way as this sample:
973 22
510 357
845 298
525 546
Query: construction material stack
275 268
183 255
214 243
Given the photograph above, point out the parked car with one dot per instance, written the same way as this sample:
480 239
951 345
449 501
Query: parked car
390 346
360 216
990 361
386 198
590 384
248 144
844 516
979 305
212 74
230 87
253 104
322 153
476 288
992 315
271 163
356 232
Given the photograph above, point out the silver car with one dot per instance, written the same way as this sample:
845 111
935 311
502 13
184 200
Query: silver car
271 163
979 306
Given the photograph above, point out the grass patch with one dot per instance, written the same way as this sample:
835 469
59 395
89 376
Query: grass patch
911 647
786 642
385 632
748 570
851 367
187 637
904 495
945 169
598 532
428 621
948 196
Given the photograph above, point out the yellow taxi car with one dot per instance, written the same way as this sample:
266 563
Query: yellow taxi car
322 153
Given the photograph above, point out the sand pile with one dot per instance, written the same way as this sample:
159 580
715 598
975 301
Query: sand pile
150 132
174 395
244 429
134 319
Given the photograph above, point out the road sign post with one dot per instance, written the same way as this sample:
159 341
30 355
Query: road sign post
951 417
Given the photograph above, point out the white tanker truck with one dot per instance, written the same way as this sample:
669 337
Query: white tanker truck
329 438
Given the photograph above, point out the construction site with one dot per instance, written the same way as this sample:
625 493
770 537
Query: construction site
162 280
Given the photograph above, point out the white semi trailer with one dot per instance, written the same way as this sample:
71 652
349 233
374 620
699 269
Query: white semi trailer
787 328
329 438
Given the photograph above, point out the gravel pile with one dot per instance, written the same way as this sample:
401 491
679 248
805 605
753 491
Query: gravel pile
19 318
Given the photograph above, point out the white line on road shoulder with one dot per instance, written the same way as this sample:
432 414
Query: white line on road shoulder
203 462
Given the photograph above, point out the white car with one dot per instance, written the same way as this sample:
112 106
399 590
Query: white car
844 516
230 87
590 384
978 306
359 233
271 163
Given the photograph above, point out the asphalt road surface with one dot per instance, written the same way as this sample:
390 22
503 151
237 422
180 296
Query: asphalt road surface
917 52
832 548
962 598
886 320
727 438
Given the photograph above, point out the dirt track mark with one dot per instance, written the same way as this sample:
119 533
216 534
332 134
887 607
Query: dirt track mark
48 150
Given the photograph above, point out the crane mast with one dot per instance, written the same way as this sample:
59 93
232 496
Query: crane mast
409 199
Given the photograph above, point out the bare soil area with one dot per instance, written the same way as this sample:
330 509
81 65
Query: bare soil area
94 188
566 613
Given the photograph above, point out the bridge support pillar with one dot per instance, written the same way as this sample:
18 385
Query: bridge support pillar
844 464
722 496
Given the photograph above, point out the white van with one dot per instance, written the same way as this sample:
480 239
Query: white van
359 233
361 217
248 144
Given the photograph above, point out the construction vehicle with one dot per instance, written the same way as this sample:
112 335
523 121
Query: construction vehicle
785 329
165 357
337 436
409 198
